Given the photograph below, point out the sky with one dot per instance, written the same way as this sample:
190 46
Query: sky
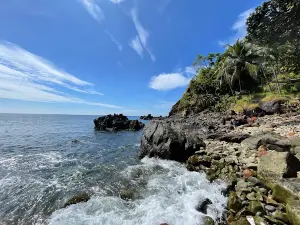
96 57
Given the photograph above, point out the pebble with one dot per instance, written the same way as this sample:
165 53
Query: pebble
270 208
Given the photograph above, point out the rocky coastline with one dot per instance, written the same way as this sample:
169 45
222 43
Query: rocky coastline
258 158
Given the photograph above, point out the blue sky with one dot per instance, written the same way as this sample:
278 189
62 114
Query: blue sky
108 56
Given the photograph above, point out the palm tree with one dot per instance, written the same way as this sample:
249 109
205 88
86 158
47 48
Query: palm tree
240 60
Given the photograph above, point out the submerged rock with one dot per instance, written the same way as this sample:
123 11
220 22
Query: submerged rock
83 197
208 221
116 123
203 205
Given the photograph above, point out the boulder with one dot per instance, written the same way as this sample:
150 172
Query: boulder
234 203
83 197
208 221
272 107
286 190
116 123
274 166
293 212
271 139
203 205
167 140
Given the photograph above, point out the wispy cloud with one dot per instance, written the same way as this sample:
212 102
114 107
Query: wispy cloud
94 10
169 81
239 27
140 42
114 40
25 76
116 1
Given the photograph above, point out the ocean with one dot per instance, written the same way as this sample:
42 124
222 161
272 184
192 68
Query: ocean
41 167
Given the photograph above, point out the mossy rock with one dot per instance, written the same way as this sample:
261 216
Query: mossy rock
293 212
234 202
255 207
83 197
194 160
280 216
240 221
282 194
208 221
128 194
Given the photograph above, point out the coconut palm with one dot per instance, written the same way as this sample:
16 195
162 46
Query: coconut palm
241 60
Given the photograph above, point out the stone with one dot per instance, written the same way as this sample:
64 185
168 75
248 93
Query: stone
203 205
240 221
251 196
254 207
286 190
259 220
117 122
127 194
208 221
233 138
83 197
270 208
234 202
168 140
255 141
255 181
274 166
272 107
279 215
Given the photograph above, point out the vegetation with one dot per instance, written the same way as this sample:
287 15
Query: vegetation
264 65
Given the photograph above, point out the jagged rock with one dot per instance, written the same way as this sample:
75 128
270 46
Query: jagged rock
231 138
270 208
169 140
128 194
203 205
272 107
83 197
293 212
116 123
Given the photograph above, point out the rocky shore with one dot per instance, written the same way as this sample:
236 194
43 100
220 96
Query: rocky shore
258 157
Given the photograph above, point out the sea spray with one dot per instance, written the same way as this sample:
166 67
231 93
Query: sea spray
166 193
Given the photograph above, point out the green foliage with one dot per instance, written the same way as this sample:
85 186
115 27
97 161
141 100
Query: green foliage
275 22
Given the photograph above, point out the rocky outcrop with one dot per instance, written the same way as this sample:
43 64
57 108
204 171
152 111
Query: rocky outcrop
167 140
83 197
272 107
117 123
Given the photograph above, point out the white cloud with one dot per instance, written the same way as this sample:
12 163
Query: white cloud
94 10
169 81
239 27
116 1
140 42
137 46
25 76
114 40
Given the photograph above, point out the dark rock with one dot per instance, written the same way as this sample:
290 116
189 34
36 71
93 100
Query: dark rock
75 141
234 203
278 215
116 123
168 140
148 117
272 107
203 205
128 194
83 197
234 138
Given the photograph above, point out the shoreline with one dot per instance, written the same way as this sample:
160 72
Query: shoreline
259 160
